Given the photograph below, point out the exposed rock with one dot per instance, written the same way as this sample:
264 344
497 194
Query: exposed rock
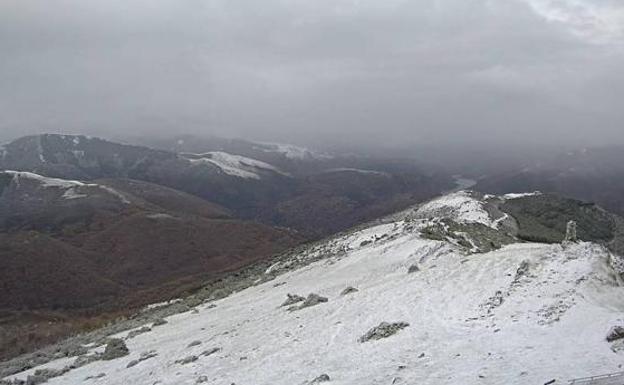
413 269
144 356
115 348
194 343
617 346
187 360
40 376
616 333
210 352
349 290
571 232
494 301
383 330
160 322
35 380
84 360
134 333
193 301
74 351
312 300
293 299
523 271
95 377
320 379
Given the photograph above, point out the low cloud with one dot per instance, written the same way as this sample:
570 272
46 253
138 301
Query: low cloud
396 72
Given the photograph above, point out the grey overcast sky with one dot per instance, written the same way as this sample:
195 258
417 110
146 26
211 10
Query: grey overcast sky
346 71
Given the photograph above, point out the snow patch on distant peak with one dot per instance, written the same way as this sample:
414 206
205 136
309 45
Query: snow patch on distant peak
45 181
461 206
521 195
73 189
293 152
234 165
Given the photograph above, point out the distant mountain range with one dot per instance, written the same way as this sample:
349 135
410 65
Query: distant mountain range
91 227
594 174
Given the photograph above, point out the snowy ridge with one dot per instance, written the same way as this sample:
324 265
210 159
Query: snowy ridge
521 195
527 313
234 165
461 206
73 189
45 181
293 152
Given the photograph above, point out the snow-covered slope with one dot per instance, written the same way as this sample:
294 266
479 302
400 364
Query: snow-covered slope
234 165
461 206
527 313
69 189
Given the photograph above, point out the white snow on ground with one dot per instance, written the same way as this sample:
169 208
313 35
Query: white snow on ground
460 206
235 165
293 152
474 319
471 317
73 188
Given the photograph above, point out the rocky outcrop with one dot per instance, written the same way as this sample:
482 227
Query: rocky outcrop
349 290
293 299
383 330
615 333
312 300
115 348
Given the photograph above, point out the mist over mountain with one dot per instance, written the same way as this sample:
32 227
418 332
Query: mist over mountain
311 192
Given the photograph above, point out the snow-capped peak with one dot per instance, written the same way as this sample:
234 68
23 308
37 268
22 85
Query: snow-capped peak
461 206
235 165
45 181
72 189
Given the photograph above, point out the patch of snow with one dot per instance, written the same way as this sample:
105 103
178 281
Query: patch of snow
71 193
497 223
116 193
72 187
293 152
234 165
521 195
162 304
460 206
160 216
45 181
78 153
